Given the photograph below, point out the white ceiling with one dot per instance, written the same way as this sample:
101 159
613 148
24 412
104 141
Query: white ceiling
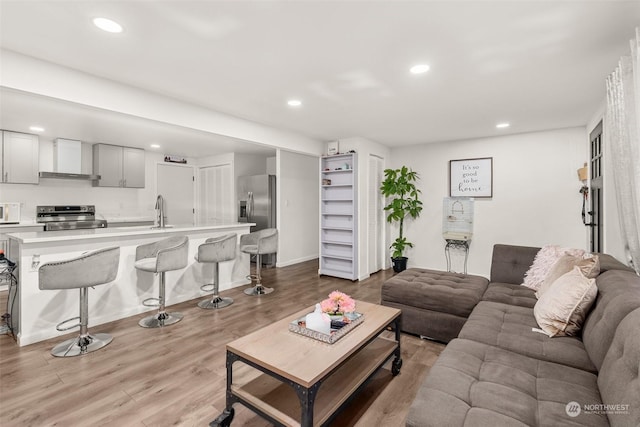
536 64
68 120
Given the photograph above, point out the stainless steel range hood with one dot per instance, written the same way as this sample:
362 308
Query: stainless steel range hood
67 162
67 175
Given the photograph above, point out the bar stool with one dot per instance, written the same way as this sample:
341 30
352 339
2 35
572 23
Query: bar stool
159 257
259 243
214 251
89 269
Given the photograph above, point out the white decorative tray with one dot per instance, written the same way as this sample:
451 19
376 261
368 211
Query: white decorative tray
298 327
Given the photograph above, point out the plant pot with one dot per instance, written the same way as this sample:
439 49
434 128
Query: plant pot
399 264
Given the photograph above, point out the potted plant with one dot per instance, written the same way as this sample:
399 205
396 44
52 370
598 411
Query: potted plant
399 185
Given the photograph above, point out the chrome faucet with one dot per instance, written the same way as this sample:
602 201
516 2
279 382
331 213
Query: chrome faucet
160 211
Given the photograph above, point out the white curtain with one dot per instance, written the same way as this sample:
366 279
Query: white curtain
622 118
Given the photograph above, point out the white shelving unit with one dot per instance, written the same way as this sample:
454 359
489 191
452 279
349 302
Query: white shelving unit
338 216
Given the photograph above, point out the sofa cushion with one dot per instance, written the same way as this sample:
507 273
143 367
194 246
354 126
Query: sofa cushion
475 384
563 307
510 263
618 379
434 290
515 328
508 293
618 295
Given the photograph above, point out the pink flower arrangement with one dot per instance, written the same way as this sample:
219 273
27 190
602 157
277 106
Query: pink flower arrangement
338 302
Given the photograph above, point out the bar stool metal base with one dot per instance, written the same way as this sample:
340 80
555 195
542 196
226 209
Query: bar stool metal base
258 290
215 302
81 345
159 320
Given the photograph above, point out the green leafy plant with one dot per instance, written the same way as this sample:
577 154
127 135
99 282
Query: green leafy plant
400 186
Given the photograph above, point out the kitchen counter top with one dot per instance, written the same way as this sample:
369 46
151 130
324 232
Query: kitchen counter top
21 224
111 232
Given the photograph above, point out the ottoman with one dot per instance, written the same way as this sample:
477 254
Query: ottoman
435 304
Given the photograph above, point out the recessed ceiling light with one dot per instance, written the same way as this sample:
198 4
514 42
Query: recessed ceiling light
502 125
419 69
294 103
36 128
107 25
155 146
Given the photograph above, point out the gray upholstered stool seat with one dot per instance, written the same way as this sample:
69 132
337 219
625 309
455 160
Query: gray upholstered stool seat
89 269
159 257
259 243
214 251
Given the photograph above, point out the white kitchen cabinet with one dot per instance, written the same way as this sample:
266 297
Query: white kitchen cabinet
133 167
20 158
118 166
338 216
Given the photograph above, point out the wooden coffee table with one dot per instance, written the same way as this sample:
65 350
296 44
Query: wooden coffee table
280 373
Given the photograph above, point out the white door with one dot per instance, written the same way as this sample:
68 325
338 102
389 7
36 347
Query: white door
216 202
376 249
176 185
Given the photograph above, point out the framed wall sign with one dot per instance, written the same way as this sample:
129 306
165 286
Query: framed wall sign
471 177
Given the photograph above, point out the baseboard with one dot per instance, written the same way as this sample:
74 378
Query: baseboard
296 261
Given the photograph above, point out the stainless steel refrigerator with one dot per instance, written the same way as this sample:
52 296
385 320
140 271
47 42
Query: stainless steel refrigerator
257 203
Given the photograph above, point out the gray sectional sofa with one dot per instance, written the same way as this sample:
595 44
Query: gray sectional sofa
500 371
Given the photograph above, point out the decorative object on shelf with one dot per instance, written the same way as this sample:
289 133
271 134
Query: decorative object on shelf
351 320
337 305
332 148
399 185
471 177
174 159
326 182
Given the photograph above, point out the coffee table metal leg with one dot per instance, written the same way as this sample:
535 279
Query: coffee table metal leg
225 418
397 361
307 398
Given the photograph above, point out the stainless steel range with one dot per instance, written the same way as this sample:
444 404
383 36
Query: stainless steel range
68 217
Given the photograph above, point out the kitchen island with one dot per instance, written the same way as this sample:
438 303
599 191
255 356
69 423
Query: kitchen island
36 313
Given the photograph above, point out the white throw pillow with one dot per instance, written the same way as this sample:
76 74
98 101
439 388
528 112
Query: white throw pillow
561 310
542 263
590 268
544 260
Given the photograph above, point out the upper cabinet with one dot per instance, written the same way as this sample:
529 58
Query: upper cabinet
118 166
20 158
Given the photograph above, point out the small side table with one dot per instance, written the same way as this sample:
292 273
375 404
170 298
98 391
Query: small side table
457 244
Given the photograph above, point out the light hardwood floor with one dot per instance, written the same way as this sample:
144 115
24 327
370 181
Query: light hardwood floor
176 375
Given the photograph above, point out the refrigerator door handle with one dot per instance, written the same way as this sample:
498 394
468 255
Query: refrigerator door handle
249 206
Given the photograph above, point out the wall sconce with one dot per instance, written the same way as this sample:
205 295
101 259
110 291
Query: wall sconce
583 174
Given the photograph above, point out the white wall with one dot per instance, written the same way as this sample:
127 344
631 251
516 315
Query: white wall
111 203
364 147
535 194
250 164
298 214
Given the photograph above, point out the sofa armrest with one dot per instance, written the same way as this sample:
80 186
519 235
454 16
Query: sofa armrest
509 263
